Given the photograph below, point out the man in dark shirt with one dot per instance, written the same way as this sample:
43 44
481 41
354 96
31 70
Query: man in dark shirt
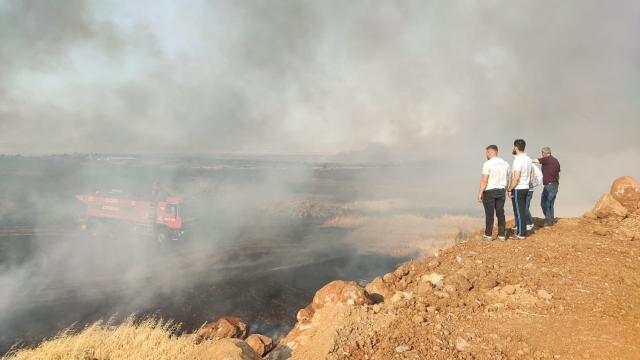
551 179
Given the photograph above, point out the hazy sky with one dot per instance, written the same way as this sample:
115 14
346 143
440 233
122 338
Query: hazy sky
425 77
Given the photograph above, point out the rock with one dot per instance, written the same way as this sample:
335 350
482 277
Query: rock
450 289
401 349
627 192
260 344
226 327
544 295
401 271
590 215
401 296
227 349
459 281
624 234
509 290
282 352
305 314
389 278
438 284
341 292
378 290
609 208
462 344
600 230
441 294
488 284
418 319
433 278
433 263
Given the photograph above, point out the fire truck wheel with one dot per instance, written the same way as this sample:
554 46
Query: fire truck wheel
162 237
113 230
96 228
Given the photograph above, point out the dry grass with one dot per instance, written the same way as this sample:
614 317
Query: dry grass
148 339
405 235
384 205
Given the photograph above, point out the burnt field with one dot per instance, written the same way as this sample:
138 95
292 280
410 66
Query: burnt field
268 236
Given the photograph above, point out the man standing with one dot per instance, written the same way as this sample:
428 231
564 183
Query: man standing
495 179
551 180
519 189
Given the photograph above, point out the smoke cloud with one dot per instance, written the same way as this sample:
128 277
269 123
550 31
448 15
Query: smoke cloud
157 76
422 85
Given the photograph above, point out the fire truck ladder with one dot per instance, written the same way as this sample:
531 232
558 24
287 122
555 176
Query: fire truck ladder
152 219
146 228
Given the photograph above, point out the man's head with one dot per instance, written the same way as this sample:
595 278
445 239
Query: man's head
492 151
518 146
546 151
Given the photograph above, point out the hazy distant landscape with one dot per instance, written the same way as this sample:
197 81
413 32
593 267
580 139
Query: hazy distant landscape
261 223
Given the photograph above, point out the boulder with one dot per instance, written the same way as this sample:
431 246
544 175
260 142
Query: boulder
459 281
260 344
378 290
226 327
600 230
227 349
627 192
623 233
590 215
341 292
609 208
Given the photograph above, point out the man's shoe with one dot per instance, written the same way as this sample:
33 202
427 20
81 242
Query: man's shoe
514 229
484 238
529 227
502 238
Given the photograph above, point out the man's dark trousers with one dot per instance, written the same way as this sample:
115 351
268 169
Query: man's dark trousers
547 201
493 200
519 200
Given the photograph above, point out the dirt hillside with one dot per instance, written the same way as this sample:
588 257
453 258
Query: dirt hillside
568 291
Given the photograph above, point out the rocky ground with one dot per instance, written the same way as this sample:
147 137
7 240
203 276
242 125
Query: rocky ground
567 291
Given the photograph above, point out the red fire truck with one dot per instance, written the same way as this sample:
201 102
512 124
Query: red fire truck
113 213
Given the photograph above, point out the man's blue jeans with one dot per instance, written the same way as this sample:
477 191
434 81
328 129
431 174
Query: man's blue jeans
529 217
547 202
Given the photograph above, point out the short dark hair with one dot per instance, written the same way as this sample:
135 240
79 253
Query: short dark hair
493 147
520 144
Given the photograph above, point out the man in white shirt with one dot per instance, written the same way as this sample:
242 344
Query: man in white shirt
495 179
536 179
519 189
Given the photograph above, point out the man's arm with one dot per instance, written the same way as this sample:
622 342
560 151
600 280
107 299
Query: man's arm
535 161
514 182
559 175
533 174
483 185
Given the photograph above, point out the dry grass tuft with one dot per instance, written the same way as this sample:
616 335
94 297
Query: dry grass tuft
147 339
405 235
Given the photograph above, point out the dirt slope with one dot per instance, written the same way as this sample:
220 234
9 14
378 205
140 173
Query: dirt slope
565 292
